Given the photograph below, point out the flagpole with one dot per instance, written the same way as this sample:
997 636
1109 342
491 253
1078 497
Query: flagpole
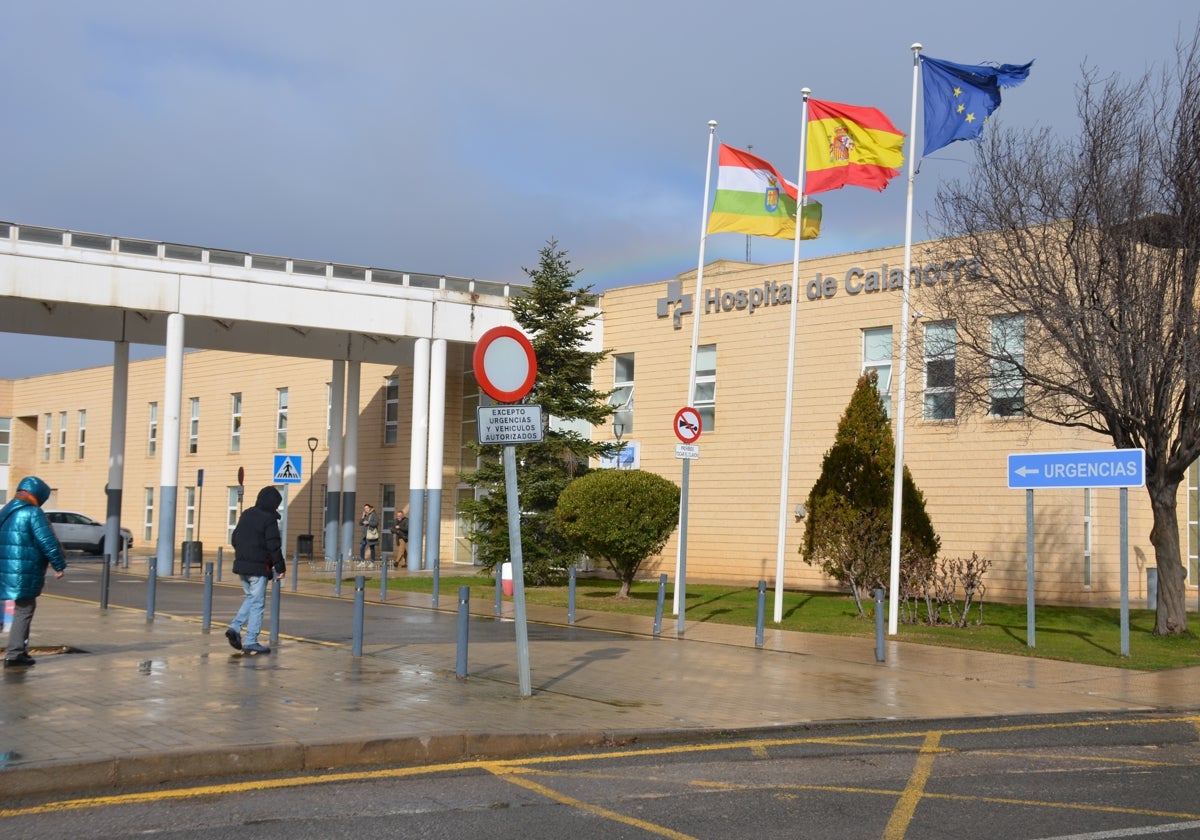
691 395
901 390
786 456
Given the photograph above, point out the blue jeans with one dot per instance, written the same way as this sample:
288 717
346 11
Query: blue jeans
250 615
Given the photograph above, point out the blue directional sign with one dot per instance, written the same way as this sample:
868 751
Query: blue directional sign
1103 468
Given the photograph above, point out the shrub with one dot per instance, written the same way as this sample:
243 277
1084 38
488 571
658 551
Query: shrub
620 517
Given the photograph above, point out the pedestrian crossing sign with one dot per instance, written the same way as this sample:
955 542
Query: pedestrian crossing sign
287 469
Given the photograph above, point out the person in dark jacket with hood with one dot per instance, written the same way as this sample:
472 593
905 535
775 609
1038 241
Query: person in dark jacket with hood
27 547
257 558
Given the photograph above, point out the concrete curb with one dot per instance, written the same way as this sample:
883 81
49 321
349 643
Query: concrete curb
272 759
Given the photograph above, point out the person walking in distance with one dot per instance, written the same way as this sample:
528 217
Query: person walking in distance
27 547
370 534
400 531
257 558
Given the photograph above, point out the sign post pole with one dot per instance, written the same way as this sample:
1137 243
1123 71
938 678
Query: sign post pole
687 426
505 367
1122 468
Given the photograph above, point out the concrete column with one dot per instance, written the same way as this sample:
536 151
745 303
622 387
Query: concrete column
437 436
168 492
417 446
350 462
116 450
333 478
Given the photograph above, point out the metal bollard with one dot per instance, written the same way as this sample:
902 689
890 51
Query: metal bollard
220 561
762 609
337 582
571 597
499 592
464 615
124 555
295 569
206 621
276 591
383 579
658 610
437 573
879 655
104 586
151 581
359 596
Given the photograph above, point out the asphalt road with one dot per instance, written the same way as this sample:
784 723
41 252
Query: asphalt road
1075 777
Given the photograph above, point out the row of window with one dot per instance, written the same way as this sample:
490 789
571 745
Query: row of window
48 436
1007 386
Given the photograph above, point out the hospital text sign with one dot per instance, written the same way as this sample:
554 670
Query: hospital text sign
1103 468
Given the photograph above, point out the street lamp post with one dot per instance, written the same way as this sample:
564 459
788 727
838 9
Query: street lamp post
618 430
312 490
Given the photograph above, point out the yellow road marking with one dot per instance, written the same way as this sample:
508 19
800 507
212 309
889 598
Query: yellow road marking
902 814
529 763
513 775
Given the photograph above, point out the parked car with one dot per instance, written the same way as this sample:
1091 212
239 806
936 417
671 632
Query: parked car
76 531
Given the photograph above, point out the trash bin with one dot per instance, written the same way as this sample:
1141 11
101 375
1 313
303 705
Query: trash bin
304 545
193 555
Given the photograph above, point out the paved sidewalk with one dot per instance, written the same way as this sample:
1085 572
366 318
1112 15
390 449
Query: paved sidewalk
147 702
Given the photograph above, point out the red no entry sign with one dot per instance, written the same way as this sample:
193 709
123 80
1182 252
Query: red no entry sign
505 365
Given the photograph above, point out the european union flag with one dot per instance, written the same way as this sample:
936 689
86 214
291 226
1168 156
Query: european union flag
959 97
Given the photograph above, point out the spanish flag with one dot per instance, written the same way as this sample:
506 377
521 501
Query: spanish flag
850 144
753 198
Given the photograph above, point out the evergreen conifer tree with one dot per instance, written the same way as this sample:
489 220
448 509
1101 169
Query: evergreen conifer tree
552 314
848 530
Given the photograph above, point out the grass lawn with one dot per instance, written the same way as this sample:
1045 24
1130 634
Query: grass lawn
1073 634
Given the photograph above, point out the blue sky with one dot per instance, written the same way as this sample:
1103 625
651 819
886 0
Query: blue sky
458 137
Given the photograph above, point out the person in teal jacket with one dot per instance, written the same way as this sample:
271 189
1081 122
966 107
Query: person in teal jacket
27 547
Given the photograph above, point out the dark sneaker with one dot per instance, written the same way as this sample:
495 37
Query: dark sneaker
21 660
256 648
235 640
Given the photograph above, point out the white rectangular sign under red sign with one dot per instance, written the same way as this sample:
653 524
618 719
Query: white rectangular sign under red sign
509 424
687 451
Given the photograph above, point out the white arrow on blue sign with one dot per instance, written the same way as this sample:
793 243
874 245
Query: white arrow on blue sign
1103 468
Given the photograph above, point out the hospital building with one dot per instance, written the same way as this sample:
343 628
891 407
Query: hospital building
388 419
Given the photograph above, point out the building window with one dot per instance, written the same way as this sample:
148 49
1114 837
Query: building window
148 522
194 427
281 410
234 501
189 514
1087 538
5 438
939 370
82 433
1008 357
235 422
62 436
877 356
152 443
1193 523
622 395
47 435
387 518
391 410
705 400
471 400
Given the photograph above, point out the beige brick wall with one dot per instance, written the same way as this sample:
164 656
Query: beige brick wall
213 376
960 466
734 496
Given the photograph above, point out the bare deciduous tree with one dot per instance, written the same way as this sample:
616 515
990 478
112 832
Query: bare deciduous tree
1090 246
